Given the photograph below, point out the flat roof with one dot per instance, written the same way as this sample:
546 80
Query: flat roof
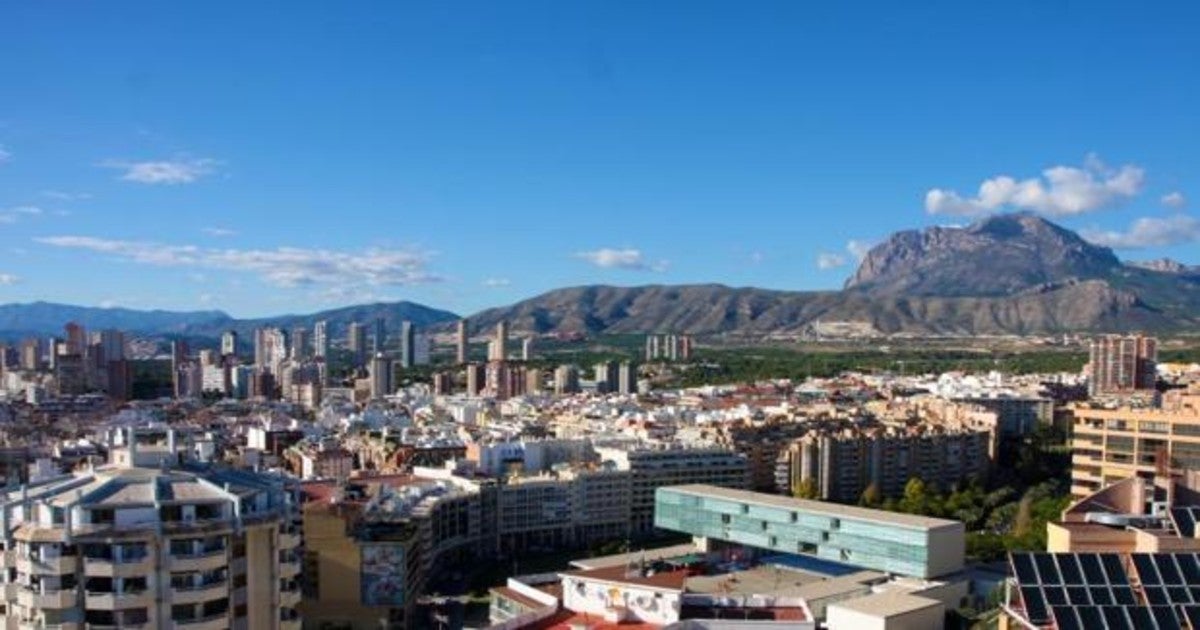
887 604
820 507
624 559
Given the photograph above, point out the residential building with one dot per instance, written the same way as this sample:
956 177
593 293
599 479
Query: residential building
657 465
141 542
1122 364
1112 444
460 342
408 345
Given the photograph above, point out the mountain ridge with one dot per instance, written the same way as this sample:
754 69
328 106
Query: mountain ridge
1004 274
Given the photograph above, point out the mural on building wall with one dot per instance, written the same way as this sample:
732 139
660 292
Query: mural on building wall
383 574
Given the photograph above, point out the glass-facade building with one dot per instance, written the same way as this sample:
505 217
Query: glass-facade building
872 539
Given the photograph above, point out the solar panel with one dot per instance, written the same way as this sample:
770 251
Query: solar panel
1140 616
1185 522
1167 568
1055 595
1092 571
1189 567
1035 604
1078 596
1192 615
1124 596
1115 618
1065 619
1145 569
1195 591
1114 569
1101 596
1156 596
1179 595
1090 617
1047 569
1023 567
1165 618
1068 567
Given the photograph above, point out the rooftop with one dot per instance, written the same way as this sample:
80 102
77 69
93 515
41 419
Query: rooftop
821 507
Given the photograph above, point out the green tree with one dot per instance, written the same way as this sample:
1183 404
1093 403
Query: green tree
916 497
806 489
1023 521
871 496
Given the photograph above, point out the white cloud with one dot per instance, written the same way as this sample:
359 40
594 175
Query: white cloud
12 215
61 195
7 279
1174 200
4 155
629 258
858 249
756 258
1148 232
282 266
169 172
826 260
218 231
496 283
1061 191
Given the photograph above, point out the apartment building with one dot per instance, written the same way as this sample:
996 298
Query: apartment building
1113 443
654 465
146 542
841 464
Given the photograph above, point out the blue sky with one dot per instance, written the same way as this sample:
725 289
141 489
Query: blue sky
270 157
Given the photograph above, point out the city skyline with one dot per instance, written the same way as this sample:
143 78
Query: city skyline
468 158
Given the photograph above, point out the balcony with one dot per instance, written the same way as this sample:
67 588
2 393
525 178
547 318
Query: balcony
126 567
118 601
289 541
8 559
53 600
239 596
289 599
211 622
289 570
57 565
199 561
37 625
290 624
199 594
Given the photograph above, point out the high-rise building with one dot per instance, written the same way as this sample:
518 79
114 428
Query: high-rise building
321 339
204 559
533 380
381 376
112 345
408 345
357 343
31 357
605 373
461 342
76 339
627 374
270 349
500 343
566 380
443 383
179 355
1122 364
475 378
379 338
527 349
229 343
300 349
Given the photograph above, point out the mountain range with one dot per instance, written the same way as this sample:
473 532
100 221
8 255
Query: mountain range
1005 274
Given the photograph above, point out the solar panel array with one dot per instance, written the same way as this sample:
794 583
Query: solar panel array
1186 520
1093 591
